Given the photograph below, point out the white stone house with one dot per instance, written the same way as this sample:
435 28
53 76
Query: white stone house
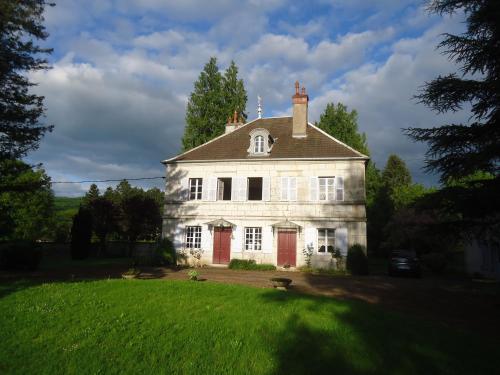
266 190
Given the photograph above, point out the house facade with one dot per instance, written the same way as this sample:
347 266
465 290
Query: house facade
266 190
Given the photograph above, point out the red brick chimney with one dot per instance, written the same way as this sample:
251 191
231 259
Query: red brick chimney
300 101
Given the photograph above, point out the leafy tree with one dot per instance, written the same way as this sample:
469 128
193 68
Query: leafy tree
460 150
20 110
25 214
81 234
337 121
214 99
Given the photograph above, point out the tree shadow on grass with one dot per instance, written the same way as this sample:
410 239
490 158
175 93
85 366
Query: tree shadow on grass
351 337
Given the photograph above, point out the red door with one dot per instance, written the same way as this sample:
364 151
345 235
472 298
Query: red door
222 245
287 248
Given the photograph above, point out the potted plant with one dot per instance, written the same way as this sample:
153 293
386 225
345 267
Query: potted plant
193 275
281 283
131 273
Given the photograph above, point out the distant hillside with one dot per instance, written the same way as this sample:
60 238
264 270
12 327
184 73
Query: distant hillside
67 206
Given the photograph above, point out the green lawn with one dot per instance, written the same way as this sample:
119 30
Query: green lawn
155 326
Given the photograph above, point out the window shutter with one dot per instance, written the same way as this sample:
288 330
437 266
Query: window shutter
284 188
339 188
206 239
313 189
212 188
234 189
266 188
341 240
184 189
205 190
178 238
310 240
292 181
242 189
237 240
267 240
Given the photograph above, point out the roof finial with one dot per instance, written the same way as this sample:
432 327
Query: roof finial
297 87
259 107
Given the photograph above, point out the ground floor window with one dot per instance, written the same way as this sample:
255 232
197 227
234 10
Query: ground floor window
253 238
193 237
326 240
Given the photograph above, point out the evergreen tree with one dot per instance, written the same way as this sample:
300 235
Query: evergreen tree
20 110
91 195
205 115
458 150
235 95
395 174
214 99
81 234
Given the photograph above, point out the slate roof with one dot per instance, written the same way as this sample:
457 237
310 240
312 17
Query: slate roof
234 145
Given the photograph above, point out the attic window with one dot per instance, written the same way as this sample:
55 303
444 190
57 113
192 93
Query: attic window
258 144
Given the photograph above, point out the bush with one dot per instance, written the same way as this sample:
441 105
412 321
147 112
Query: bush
357 262
164 253
249 264
436 262
81 234
22 255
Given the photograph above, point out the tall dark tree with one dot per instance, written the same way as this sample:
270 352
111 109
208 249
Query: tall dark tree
91 195
81 234
104 215
233 90
21 111
214 99
459 150
395 173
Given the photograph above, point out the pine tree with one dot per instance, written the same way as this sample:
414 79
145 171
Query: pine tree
458 150
235 95
395 173
343 125
91 195
214 99
205 116
20 110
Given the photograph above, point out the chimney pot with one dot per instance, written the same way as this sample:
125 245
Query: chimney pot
296 87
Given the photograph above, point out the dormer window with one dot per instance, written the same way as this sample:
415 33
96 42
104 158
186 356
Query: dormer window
261 142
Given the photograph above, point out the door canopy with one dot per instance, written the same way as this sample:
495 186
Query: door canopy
220 223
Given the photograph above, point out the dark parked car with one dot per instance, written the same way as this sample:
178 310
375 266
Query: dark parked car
404 262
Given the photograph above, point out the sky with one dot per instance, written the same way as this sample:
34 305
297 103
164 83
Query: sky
122 72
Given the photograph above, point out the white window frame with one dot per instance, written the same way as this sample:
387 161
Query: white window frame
329 189
258 144
254 235
327 240
198 186
192 237
286 193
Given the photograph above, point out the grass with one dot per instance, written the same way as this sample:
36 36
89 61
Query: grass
137 326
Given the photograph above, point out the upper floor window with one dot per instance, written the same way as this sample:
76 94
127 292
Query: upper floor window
224 187
259 144
255 188
193 237
195 188
327 189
